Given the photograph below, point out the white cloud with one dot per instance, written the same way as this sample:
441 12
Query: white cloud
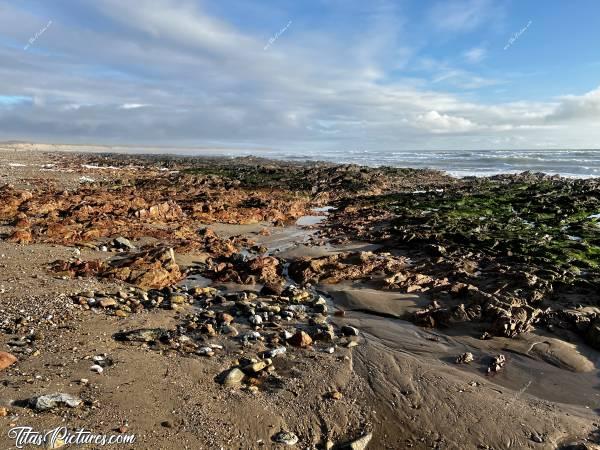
475 55
463 15
443 123
132 105
584 107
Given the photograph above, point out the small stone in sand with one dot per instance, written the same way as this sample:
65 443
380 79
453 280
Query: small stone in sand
300 339
6 360
465 358
286 438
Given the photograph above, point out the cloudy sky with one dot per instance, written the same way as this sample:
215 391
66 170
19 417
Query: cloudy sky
310 74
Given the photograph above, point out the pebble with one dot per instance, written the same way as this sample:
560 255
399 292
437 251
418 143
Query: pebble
465 358
7 360
286 438
256 319
205 351
300 339
233 377
50 401
96 368
361 443
274 352
347 330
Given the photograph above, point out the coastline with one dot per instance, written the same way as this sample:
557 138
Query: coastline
416 284
457 163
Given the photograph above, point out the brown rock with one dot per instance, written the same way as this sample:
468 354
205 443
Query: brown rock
6 360
300 339
20 236
108 302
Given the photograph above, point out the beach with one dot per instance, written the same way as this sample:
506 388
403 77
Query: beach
240 301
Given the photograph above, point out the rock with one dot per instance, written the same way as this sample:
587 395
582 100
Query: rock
143 335
536 437
123 243
205 351
257 366
256 319
347 330
465 358
96 368
592 337
320 308
335 395
6 360
225 318
359 444
107 302
273 288
46 402
274 352
155 268
300 339
234 377
497 363
286 438
178 299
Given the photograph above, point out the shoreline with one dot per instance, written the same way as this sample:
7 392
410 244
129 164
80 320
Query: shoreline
183 285
264 154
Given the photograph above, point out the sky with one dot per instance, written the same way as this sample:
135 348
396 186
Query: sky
311 74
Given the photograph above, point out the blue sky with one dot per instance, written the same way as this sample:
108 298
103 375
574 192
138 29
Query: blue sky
310 74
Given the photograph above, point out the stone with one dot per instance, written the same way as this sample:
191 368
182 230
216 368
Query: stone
143 335
3 412
359 444
347 330
107 302
46 402
96 368
257 366
225 318
274 352
465 358
592 337
256 319
205 351
286 438
123 243
335 395
320 308
300 339
178 299
234 377
497 363
6 360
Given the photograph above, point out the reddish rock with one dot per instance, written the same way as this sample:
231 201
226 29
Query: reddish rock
300 339
6 360
20 236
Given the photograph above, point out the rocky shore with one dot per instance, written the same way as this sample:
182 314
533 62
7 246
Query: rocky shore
246 303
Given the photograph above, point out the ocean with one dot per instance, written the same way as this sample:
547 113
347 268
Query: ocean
459 163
